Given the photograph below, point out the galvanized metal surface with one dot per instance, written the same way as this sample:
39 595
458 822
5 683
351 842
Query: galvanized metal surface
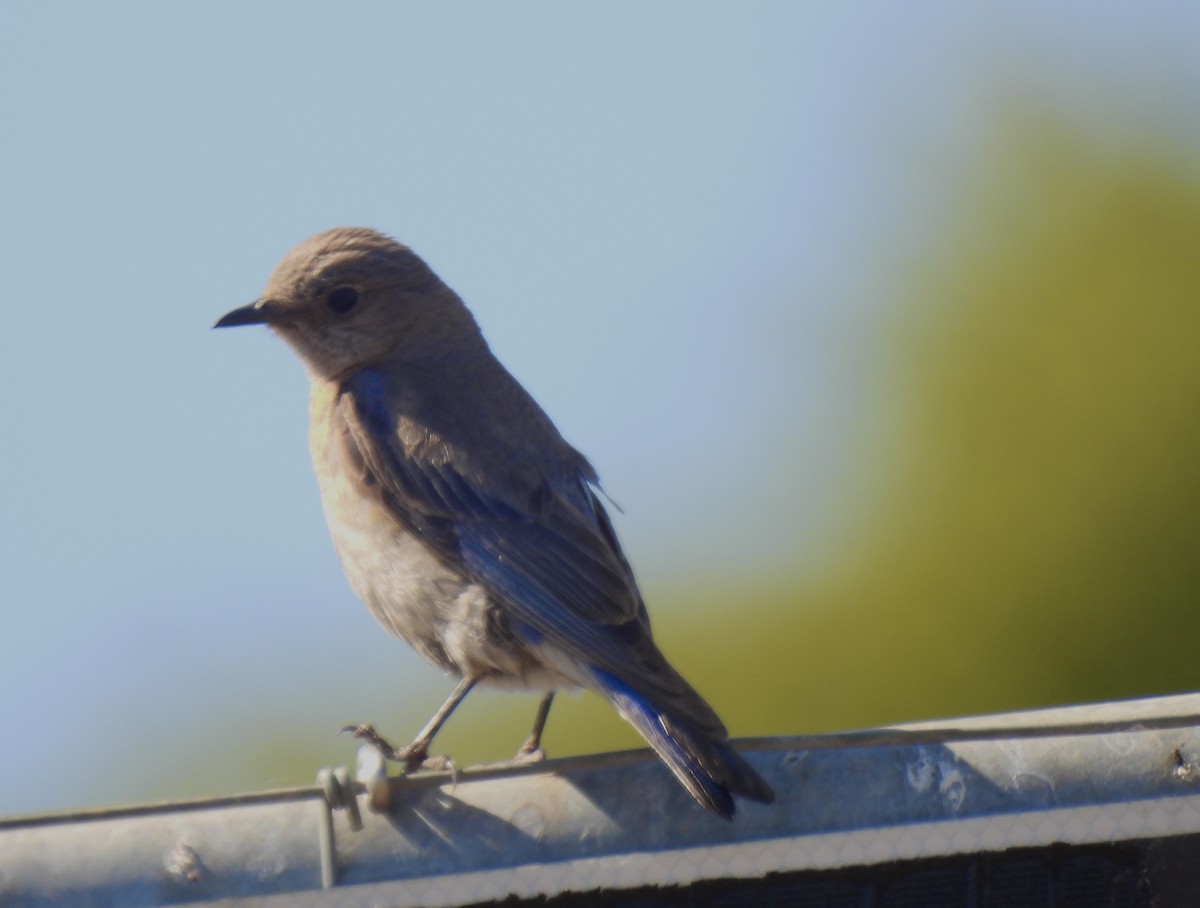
1083 774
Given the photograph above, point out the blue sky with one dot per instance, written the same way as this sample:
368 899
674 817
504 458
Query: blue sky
675 222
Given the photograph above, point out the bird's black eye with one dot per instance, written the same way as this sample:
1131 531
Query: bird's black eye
342 299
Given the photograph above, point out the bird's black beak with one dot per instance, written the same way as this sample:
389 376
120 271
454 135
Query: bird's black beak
260 312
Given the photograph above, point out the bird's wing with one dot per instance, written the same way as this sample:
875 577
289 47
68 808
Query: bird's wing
541 544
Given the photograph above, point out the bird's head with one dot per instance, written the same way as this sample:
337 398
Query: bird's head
350 297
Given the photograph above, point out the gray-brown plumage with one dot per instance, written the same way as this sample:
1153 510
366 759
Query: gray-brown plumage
463 520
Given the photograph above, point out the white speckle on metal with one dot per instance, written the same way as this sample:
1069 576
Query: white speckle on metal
271 861
1184 770
921 771
183 863
952 784
1121 744
529 820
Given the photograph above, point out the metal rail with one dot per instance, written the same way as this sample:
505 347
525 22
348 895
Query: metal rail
1092 774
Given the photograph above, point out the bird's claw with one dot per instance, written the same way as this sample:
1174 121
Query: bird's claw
366 732
412 756
527 756
438 763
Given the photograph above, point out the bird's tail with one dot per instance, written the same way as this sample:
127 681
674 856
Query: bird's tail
711 770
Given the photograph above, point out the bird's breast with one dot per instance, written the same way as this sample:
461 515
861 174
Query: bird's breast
449 619
403 584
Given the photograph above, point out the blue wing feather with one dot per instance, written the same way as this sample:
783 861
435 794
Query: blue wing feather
544 549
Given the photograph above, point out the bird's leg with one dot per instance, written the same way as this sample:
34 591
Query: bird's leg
531 751
420 745
416 754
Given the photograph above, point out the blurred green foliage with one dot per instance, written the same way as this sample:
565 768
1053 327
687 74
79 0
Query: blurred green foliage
1036 539
1032 477
1034 532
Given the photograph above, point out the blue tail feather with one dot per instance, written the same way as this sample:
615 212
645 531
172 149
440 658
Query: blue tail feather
711 770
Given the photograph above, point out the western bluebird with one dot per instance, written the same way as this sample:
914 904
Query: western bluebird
463 520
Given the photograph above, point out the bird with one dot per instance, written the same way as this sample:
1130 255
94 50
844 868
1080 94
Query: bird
463 520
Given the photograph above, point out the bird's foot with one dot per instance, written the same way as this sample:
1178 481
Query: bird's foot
526 756
412 756
531 752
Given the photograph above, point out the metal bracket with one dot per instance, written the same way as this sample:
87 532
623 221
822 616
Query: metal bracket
339 794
